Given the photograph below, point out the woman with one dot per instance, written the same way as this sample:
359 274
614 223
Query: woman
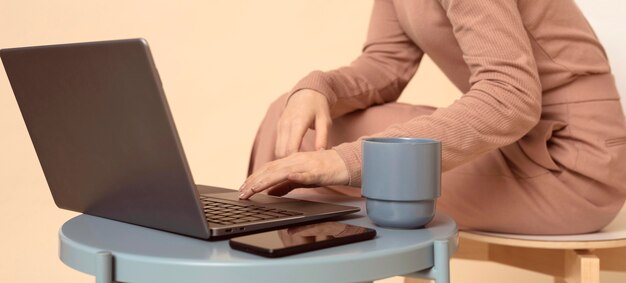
534 146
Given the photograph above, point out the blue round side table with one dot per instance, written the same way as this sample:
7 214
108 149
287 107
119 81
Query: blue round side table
115 251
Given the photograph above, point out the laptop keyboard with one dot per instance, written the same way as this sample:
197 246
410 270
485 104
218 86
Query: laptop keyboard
227 213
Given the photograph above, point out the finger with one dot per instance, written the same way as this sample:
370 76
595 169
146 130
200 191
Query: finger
286 187
283 188
252 179
295 137
321 133
264 182
269 167
302 177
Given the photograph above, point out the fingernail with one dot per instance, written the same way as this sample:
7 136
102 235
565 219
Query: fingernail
241 195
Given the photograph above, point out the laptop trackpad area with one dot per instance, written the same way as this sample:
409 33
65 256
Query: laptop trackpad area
255 199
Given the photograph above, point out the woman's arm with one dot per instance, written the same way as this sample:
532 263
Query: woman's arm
378 75
504 101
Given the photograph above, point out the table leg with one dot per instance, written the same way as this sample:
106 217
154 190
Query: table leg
442 262
104 267
440 272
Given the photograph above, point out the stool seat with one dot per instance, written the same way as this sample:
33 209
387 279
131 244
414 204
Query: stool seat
568 258
612 236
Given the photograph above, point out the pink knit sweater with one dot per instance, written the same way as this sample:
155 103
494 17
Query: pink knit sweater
502 54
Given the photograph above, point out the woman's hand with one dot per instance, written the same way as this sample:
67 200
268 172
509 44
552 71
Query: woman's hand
305 109
320 168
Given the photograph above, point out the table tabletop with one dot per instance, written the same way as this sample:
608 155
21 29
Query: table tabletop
142 254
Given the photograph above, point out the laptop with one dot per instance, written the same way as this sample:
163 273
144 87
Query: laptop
104 135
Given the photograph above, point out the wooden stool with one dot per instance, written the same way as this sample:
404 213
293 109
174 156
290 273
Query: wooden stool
572 258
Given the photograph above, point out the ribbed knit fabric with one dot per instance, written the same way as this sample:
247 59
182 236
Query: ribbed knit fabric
499 53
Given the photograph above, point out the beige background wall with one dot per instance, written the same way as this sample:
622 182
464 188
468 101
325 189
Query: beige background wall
221 62
607 18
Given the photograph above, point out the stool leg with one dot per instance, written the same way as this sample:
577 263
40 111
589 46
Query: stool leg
104 267
581 266
612 259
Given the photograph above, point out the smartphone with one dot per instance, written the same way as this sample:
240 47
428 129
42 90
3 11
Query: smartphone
299 239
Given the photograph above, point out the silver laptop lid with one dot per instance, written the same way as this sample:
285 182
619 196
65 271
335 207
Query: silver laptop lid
103 132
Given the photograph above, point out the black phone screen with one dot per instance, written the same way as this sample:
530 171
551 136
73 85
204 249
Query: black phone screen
301 238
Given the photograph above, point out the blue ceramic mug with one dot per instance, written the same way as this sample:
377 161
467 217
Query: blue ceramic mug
401 180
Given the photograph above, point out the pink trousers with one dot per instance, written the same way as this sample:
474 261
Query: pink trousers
558 179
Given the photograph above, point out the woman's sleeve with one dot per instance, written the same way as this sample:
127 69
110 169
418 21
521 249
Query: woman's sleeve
378 75
504 101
